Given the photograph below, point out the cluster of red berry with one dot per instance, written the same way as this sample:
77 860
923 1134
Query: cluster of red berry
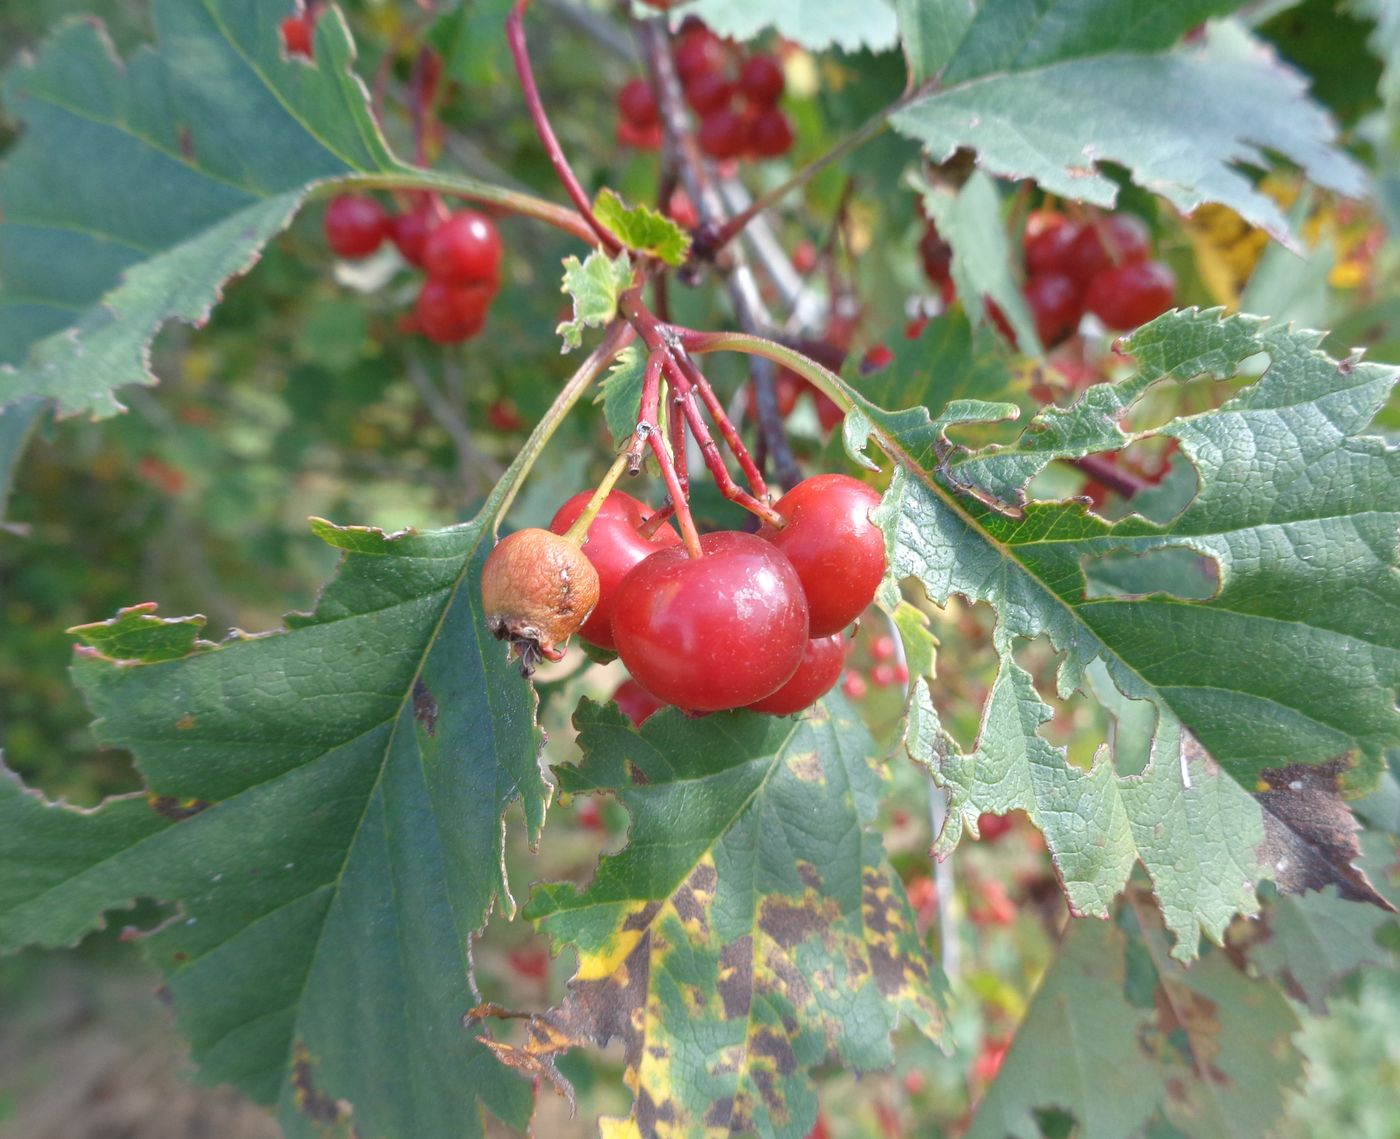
461 253
735 96
1102 265
885 670
754 621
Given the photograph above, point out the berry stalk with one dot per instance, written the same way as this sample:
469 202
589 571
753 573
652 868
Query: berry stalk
515 36
579 530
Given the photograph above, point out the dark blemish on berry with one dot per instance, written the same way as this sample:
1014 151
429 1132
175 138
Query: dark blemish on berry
425 708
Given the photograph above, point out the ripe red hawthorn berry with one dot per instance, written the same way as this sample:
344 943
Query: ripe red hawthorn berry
642 138
1119 239
817 675
355 225
637 104
409 233
709 91
465 249
537 589
787 386
1055 304
614 546
1129 295
636 703
717 631
723 134
875 358
297 34
770 133
761 80
993 827
697 51
829 412
936 255
449 313
838 553
1048 238
854 686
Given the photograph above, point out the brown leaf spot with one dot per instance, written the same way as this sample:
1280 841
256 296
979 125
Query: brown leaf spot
310 1100
1310 834
789 923
811 878
425 708
176 810
807 766
735 984
185 723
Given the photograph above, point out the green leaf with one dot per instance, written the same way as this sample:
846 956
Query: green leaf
815 24
1048 91
17 423
325 809
621 393
930 31
750 930
594 286
969 220
1312 942
642 228
1296 508
1119 1034
175 191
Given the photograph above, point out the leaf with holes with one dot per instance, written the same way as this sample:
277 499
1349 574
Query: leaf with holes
324 812
1126 1042
752 928
1050 91
1296 510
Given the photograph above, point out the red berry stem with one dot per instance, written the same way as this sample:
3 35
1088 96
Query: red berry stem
672 461
689 535
726 426
731 490
515 36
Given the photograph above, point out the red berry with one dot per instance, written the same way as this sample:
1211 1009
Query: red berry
761 80
529 961
355 225
723 134
682 210
901 673
992 827
1130 295
875 358
450 313
936 255
717 631
787 386
829 412
804 257
697 51
636 703
882 675
410 233
643 138
1119 239
882 648
838 553
465 249
637 104
988 1062
770 133
297 34
708 91
614 547
854 686
816 676
504 416
991 905
1048 238
590 815
1056 305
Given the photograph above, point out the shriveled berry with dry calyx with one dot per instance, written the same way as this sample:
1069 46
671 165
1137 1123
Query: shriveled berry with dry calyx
537 589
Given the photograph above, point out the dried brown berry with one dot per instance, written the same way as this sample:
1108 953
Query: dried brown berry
537 589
